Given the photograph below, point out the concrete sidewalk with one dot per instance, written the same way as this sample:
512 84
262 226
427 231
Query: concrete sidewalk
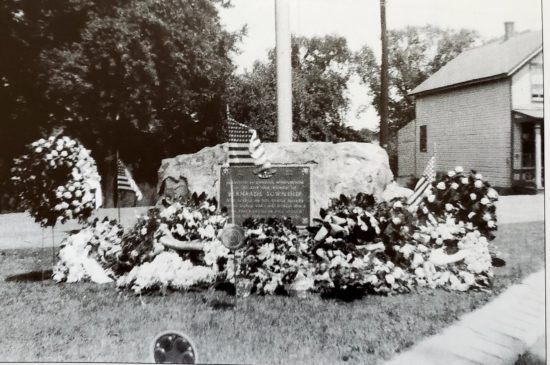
18 230
520 208
495 334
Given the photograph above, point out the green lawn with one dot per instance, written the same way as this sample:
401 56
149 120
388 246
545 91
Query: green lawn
44 321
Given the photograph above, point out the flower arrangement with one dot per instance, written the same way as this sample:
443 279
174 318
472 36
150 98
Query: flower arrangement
144 261
167 270
194 219
57 180
90 254
275 257
358 246
467 197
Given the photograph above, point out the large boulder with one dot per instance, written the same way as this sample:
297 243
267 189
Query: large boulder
337 168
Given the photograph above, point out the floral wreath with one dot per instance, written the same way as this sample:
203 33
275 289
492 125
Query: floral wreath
57 180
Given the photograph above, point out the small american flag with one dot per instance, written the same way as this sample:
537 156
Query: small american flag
424 183
125 181
246 149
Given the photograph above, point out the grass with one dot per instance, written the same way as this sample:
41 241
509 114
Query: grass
44 321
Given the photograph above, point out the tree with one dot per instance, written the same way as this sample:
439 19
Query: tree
147 81
383 106
320 71
28 28
415 53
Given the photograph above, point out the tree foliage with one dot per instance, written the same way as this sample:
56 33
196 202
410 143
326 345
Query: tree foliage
415 53
28 28
321 68
146 81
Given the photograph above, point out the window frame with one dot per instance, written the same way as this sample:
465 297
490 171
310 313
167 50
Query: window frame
423 138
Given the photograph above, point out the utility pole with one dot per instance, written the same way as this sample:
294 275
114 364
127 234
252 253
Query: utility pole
383 135
284 72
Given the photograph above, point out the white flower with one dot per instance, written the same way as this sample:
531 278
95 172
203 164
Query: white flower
419 272
417 260
422 248
143 231
487 217
390 279
484 201
67 195
459 169
439 241
398 204
478 176
78 193
75 203
406 250
470 215
468 277
454 186
451 173
464 181
431 198
491 224
492 193
54 153
448 207
64 153
180 229
396 221
59 147
473 196
478 184
441 185
38 149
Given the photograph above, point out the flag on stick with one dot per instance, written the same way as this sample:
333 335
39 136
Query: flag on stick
125 181
246 149
424 184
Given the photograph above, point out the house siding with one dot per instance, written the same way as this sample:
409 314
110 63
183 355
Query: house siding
406 150
471 127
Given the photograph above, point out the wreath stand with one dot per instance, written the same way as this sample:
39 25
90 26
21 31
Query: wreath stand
53 250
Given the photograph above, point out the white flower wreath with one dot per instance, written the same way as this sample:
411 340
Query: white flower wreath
57 180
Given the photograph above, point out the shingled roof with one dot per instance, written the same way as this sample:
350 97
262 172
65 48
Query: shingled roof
494 60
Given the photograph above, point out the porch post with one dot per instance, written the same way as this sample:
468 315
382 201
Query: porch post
538 156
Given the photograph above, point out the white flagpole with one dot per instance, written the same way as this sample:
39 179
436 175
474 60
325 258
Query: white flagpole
284 71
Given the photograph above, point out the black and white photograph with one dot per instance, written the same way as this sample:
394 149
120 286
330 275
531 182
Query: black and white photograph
272 182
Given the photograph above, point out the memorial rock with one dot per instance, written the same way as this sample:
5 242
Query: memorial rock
336 168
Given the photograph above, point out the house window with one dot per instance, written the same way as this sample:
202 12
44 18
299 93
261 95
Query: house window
423 138
537 86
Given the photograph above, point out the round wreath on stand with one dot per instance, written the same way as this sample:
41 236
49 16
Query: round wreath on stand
57 180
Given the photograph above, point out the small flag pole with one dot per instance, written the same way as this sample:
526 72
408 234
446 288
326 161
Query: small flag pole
116 188
42 254
53 248
227 115
234 251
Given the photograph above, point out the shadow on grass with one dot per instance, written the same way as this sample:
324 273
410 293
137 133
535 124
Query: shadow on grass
222 304
31 276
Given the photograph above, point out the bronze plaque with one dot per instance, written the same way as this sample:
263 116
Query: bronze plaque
285 194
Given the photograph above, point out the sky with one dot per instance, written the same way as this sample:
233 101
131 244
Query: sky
358 21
